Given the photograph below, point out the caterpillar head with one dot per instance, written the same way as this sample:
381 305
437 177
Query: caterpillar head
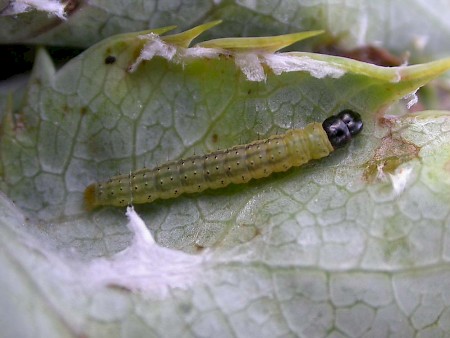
342 127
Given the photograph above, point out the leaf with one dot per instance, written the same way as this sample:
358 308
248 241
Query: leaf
419 28
261 44
332 247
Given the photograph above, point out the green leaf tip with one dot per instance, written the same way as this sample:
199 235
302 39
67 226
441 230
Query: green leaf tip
43 68
269 44
158 31
184 39
425 70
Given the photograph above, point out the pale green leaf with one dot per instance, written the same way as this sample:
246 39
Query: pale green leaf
355 244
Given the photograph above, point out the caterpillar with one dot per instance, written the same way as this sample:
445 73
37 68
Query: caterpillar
218 169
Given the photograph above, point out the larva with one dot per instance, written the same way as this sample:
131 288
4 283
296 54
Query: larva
236 165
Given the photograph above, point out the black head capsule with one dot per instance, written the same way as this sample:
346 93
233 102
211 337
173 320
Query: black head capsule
341 127
352 120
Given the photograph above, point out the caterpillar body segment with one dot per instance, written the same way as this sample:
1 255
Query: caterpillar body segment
218 169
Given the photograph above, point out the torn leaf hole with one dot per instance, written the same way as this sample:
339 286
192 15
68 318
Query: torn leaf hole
390 154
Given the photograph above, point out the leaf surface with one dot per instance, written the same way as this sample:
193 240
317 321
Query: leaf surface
343 245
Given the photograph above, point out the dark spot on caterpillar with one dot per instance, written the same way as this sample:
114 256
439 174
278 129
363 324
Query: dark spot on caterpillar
215 138
109 60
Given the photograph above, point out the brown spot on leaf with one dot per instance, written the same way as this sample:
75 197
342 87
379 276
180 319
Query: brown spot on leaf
199 247
257 232
447 166
390 154
65 109
83 111
386 121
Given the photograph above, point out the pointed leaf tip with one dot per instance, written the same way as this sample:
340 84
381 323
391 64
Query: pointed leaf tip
160 31
267 44
184 39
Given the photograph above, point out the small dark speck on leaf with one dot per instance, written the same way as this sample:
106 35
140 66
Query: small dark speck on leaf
110 59
199 247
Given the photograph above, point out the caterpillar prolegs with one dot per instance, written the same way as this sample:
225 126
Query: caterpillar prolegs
236 165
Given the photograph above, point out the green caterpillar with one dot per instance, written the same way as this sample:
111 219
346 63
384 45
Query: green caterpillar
236 165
